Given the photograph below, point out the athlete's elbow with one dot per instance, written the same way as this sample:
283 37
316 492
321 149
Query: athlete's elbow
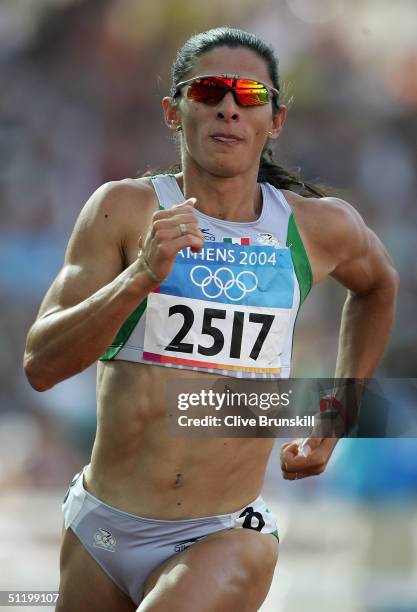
39 385
394 279
36 375
390 284
383 288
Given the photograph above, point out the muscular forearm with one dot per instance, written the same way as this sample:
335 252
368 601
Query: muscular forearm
365 329
64 343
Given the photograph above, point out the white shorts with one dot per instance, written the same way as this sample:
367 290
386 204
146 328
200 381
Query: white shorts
130 547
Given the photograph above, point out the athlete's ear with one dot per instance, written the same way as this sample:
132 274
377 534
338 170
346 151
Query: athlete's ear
277 122
171 112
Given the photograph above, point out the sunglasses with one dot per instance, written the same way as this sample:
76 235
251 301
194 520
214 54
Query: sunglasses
211 89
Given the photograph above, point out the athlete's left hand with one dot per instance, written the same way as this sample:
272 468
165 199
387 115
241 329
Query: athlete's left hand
308 457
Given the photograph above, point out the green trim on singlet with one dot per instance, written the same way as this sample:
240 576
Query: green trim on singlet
300 259
124 333
302 267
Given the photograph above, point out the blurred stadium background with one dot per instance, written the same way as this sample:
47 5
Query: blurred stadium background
81 83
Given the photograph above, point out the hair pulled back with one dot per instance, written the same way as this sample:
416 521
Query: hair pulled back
199 44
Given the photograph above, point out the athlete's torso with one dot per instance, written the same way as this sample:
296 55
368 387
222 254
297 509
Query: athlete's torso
135 466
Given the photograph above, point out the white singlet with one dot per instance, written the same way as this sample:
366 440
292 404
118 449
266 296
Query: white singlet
230 309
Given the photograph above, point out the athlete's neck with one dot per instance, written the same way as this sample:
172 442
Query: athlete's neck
237 198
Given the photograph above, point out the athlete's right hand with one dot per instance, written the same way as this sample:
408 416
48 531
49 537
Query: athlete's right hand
171 230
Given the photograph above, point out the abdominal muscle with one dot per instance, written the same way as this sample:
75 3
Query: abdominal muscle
137 467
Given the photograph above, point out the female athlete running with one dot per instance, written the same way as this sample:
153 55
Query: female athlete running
158 523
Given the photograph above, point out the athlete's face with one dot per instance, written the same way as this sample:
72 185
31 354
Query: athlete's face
225 139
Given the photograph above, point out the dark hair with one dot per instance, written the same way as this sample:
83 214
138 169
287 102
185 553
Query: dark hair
199 44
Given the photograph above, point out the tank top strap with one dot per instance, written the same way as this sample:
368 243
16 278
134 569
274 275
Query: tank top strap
278 197
167 190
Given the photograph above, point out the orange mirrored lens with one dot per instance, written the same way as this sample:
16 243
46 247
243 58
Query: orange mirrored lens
212 89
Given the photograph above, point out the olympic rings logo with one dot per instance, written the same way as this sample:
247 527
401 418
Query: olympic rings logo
223 281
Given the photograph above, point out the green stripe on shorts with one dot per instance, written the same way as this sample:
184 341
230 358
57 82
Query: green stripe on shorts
275 533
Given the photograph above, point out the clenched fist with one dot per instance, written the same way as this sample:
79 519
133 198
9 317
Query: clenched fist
171 230
309 457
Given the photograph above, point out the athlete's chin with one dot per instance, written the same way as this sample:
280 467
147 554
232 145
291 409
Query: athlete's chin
226 170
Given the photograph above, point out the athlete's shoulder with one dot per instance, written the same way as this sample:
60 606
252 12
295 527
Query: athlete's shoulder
124 193
119 201
329 222
332 209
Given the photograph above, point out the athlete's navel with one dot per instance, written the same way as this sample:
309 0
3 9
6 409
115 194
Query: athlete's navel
178 480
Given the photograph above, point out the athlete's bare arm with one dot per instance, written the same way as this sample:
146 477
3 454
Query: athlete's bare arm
341 245
97 289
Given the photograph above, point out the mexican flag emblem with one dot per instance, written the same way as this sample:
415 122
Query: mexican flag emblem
242 241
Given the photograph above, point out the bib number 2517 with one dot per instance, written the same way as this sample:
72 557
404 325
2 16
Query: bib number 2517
238 322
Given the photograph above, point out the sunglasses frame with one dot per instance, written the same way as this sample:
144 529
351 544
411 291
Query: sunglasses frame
272 91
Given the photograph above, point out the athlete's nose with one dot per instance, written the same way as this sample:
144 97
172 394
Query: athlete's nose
227 108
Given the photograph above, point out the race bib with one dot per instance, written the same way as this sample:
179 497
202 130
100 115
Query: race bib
227 307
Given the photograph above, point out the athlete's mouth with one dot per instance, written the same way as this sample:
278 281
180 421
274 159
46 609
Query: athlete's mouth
226 138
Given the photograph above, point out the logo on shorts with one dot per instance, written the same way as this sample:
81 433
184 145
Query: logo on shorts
180 546
104 539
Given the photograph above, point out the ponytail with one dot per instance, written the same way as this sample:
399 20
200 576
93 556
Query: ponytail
279 177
